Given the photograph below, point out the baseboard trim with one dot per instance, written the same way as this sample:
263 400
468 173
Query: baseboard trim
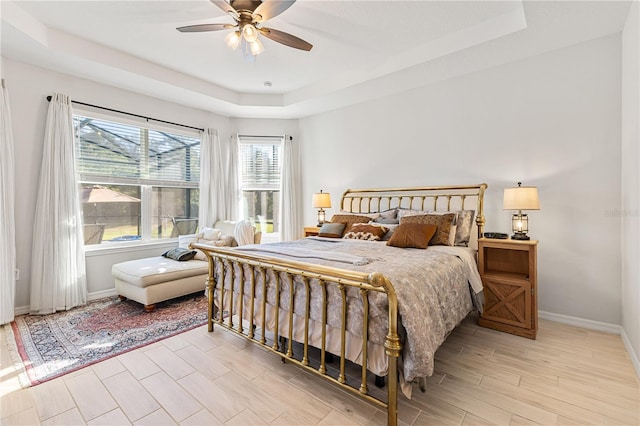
581 322
598 326
635 360
101 294
23 310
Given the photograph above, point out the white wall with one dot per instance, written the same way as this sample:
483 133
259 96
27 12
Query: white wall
552 121
263 127
630 207
28 88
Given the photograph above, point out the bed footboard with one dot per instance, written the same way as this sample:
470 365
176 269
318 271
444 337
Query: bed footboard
262 298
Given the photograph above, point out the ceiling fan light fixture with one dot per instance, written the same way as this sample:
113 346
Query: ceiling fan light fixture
250 33
245 48
256 47
233 39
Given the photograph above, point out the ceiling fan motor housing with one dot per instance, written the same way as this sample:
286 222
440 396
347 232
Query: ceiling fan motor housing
242 5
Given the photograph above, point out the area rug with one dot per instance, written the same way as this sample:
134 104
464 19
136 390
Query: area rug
57 344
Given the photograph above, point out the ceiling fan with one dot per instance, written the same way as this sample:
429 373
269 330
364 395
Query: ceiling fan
249 15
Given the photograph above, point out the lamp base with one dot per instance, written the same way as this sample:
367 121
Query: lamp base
522 237
321 217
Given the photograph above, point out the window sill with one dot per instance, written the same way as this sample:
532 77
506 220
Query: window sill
111 248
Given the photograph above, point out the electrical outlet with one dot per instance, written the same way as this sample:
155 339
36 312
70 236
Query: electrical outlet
17 274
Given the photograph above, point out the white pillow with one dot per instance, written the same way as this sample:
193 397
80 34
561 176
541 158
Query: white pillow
410 212
452 234
244 233
211 234
185 240
224 241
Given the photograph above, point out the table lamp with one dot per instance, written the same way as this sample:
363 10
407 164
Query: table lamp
520 198
321 201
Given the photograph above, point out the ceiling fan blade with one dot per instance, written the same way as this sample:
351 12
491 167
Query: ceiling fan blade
204 27
228 9
285 38
269 9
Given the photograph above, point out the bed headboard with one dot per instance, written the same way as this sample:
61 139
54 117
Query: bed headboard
430 198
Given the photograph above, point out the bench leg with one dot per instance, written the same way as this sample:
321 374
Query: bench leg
149 308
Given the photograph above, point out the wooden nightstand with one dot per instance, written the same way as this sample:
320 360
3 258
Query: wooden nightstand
311 231
509 277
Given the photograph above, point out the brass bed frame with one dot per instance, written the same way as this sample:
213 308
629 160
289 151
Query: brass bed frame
242 265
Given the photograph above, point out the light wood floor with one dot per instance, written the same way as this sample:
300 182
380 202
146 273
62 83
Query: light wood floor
569 376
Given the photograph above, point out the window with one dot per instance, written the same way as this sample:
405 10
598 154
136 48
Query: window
137 183
260 182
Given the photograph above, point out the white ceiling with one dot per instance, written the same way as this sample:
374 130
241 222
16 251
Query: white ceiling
362 49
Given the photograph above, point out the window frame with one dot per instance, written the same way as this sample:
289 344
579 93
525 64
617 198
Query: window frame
277 141
146 185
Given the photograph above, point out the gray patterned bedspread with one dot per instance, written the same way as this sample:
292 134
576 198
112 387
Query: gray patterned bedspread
432 287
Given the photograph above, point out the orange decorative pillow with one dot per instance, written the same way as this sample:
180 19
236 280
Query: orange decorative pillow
349 219
364 231
442 221
412 235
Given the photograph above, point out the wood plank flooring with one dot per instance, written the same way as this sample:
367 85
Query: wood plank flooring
568 376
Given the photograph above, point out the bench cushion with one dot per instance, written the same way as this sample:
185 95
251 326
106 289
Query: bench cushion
154 270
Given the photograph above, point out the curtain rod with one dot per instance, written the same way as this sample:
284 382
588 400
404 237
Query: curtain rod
263 136
133 115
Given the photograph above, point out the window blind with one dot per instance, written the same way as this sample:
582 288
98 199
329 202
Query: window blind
116 152
259 163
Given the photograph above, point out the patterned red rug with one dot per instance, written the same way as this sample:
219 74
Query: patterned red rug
57 344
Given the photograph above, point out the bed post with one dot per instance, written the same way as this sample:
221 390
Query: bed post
392 346
480 221
209 288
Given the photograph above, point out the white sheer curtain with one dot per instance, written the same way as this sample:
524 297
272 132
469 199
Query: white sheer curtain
58 277
232 207
7 207
290 211
212 177
218 181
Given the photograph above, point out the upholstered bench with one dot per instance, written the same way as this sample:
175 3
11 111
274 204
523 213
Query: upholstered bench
156 279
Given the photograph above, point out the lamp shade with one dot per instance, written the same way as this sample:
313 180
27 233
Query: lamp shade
521 198
322 200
